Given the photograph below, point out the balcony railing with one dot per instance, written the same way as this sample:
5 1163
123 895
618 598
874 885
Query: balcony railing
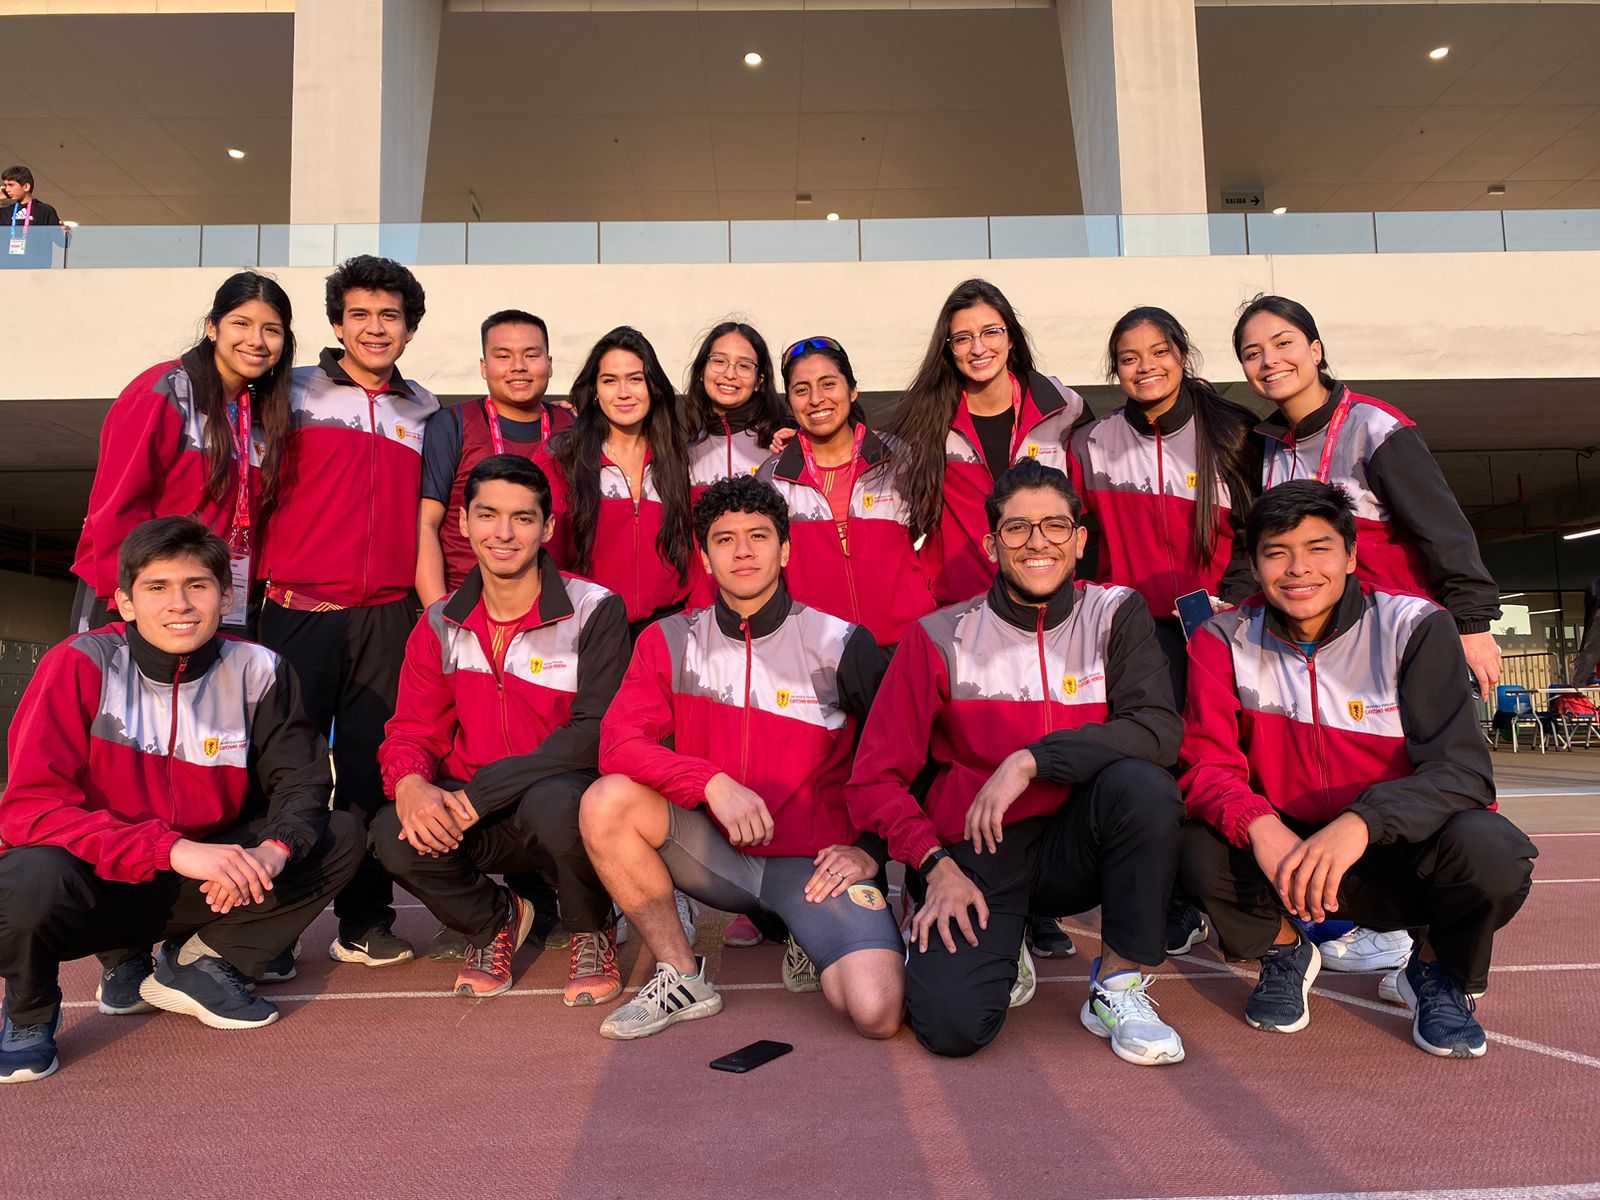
812 241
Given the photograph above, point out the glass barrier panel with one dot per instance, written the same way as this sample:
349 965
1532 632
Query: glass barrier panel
663 241
514 242
1439 232
430 244
103 246
794 241
297 245
1161 235
902 239
1053 237
1310 233
1552 229
41 248
230 245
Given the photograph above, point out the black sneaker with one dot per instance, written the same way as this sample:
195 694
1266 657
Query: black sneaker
28 1052
1048 939
1280 1003
1186 928
282 968
379 946
211 990
448 945
118 991
1443 1024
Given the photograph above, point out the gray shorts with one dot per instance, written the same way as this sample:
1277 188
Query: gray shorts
706 866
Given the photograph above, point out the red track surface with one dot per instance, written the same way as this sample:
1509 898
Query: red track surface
431 1095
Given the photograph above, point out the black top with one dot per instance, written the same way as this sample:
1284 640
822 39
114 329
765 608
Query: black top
43 214
994 437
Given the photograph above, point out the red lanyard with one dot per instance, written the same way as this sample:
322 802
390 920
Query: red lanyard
239 536
1330 439
855 456
496 439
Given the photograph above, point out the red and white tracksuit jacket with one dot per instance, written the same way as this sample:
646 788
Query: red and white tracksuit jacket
874 577
775 700
723 451
1139 482
501 731
1411 536
1080 681
1378 721
345 531
118 750
953 557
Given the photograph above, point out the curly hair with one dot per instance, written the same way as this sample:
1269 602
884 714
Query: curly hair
739 494
374 274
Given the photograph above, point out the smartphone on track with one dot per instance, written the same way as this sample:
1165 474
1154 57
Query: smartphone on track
1194 610
751 1057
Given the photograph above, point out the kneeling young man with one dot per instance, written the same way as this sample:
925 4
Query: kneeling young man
761 699
1333 763
165 784
496 736
1046 707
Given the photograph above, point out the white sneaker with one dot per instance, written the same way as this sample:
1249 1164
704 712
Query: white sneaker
1367 950
1389 988
1027 982
686 914
668 998
1120 1010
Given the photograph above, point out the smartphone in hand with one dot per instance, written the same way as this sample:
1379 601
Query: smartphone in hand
1194 610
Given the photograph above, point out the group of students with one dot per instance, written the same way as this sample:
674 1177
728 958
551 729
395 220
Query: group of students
736 647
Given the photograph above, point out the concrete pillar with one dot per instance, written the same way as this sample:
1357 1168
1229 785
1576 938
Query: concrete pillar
1133 79
363 106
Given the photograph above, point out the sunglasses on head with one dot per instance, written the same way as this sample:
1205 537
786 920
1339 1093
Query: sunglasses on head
810 343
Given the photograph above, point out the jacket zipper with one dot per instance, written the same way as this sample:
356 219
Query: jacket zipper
1044 673
172 736
1161 507
727 438
1317 733
372 487
744 727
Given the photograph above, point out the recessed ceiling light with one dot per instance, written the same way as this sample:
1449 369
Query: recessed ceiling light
235 153
1280 210
833 216
70 224
752 59
1438 52
1497 189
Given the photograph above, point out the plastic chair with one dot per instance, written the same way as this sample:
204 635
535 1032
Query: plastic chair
1568 725
1514 711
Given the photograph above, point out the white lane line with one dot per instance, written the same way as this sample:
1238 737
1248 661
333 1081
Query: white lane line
1557 1191
1593 880
1569 833
1534 793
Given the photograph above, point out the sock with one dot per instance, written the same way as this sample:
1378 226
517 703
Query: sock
193 950
1118 981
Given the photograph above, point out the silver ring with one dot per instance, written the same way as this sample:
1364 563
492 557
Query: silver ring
837 874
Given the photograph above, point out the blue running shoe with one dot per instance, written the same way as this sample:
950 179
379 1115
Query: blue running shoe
28 1052
1281 1001
1442 1023
118 992
209 989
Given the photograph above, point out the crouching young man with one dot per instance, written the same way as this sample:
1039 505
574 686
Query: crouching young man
495 738
165 784
1046 707
1333 763
760 699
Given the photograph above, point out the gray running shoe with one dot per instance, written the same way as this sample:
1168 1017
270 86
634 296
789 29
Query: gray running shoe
669 997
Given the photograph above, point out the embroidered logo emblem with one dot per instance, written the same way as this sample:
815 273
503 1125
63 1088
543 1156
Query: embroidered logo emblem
755 468
867 500
783 697
1033 449
1191 479
1358 709
400 431
535 665
211 746
864 895
1069 685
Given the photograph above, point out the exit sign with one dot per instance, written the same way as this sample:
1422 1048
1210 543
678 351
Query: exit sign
1242 199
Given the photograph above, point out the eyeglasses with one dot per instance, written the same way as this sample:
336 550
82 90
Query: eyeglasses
1017 533
810 343
992 335
718 364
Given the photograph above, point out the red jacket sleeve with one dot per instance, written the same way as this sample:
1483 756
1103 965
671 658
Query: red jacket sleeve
44 804
894 749
560 543
640 719
138 448
1216 772
421 732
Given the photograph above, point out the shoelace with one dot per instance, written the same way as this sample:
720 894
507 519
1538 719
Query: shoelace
25 1033
653 993
1133 1003
493 959
1280 978
1437 985
592 954
799 961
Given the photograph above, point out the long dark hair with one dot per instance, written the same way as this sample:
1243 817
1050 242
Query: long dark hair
578 450
765 411
1221 429
269 395
1297 315
921 419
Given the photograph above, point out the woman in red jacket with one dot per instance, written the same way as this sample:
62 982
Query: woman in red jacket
201 436
975 407
732 408
621 480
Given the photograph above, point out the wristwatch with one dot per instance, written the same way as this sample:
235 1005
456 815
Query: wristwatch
933 860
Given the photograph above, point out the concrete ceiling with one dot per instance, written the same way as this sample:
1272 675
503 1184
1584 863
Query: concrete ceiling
585 116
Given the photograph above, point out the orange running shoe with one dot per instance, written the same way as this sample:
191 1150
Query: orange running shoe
487 971
593 976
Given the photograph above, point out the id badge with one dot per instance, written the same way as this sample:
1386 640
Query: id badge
239 572
19 245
